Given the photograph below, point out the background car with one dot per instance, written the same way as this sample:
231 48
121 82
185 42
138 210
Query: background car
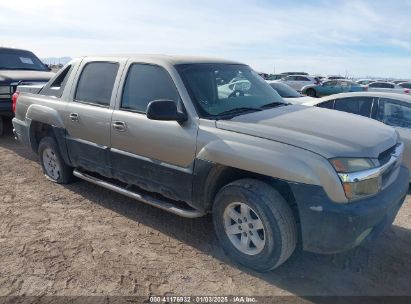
387 87
405 85
365 81
236 85
288 93
400 81
331 87
275 76
389 108
294 73
16 67
297 82
334 77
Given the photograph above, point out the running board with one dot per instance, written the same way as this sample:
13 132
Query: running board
147 199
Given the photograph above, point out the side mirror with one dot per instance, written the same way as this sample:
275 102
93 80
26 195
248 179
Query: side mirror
163 109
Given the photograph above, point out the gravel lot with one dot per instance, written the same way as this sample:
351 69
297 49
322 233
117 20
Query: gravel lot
83 240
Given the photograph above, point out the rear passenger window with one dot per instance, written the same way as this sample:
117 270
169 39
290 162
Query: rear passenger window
96 83
56 88
356 105
146 83
327 105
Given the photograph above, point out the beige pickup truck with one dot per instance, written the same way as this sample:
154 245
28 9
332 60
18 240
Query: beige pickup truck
194 136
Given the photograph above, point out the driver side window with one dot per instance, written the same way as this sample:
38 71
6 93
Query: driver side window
145 83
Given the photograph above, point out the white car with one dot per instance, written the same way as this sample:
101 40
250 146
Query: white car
405 85
387 87
365 81
235 86
389 108
288 93
297 82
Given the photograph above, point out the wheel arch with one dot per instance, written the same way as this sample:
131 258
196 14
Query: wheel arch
38 130
209 178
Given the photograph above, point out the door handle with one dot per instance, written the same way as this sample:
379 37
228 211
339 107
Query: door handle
119 126
74 117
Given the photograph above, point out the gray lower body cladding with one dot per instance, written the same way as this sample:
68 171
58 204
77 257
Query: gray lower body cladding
326 227
329 228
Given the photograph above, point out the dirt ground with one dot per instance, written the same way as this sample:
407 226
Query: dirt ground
80 239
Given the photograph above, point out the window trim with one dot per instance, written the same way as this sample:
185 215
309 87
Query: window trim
120 108
333 103
48 87
78 81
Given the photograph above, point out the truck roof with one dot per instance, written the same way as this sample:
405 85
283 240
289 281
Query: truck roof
161 58
13 49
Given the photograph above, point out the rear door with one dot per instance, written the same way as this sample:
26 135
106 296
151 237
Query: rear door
157 156
327 88
88 114
302 81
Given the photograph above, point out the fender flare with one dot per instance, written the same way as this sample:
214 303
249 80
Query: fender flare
276 160
44 115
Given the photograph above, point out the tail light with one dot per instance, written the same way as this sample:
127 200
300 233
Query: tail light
407 91
14 100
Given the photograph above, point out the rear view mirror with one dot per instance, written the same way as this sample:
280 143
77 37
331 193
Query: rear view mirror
163 109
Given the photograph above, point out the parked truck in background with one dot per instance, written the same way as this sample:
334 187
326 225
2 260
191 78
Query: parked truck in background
158 129
17 67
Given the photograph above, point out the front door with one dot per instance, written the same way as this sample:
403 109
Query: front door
157 156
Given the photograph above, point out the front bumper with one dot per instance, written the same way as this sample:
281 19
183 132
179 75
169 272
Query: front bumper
329 227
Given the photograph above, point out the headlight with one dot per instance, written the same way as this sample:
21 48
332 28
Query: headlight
349 165
357 176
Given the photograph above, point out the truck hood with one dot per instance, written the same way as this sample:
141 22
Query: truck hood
9 76
326 132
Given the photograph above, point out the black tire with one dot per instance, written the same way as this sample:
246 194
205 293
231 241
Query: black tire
65 172
1 125
311 93
275 214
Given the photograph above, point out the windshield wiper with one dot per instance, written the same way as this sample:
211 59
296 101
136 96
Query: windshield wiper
274 104
239 111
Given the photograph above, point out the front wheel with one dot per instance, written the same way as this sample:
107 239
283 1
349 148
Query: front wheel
254 224
52 163
311 93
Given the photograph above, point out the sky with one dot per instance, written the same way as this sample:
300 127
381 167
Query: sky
348 37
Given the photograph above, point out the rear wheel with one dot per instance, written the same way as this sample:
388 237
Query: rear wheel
254 224
311 93
53 165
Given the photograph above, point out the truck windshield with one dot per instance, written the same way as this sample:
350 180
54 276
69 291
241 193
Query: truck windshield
20 60
232 89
